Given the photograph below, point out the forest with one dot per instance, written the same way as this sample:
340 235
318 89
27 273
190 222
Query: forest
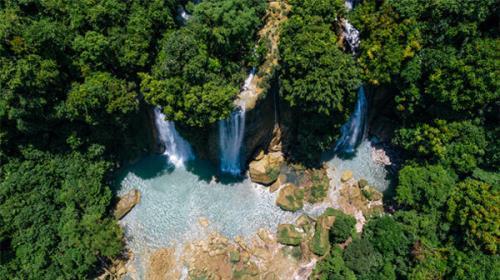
78 80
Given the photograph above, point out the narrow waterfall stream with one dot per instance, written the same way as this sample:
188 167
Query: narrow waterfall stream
177 149
231 134
353 131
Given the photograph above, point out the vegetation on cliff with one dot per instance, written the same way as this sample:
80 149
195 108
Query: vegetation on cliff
437 59
75 77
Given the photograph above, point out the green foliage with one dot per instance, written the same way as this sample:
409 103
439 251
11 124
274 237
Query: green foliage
342 228
473 210
333 267
198 72
388 41
100 94
424 188
459 144
54 209
68 100
361 257
317 79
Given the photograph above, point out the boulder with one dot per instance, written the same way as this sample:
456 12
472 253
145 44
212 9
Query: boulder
203 222
277 184
290 198
266 170
126 203
371 193
288 234
346 176
320 243
362 183
305 222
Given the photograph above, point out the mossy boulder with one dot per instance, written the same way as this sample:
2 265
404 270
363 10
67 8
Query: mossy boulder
371 193
267 169
318 185
289 235
362 183
320 243
290 198
305 222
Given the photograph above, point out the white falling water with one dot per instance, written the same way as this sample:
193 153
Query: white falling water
231 134
183 14
351 36
177 149
349 4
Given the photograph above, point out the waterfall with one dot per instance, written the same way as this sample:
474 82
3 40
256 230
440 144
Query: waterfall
351 36
231 134
350 33
349 4
352 132
184 16
177 149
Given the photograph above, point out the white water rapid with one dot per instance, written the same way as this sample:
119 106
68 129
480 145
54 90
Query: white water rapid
177 149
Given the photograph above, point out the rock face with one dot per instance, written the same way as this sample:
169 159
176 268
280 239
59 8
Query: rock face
126 203
290 198
266 170
289 235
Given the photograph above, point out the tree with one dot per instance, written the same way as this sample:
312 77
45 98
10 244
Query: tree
100 94
361 257
424 188
54 212
343 228
473 211
333 267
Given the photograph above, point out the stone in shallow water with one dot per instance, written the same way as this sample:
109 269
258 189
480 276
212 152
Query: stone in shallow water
346 176
290 198
203 222
126 203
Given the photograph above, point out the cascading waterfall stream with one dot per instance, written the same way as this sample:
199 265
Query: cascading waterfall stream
231 134
350 33
353 132
177 148
351 36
